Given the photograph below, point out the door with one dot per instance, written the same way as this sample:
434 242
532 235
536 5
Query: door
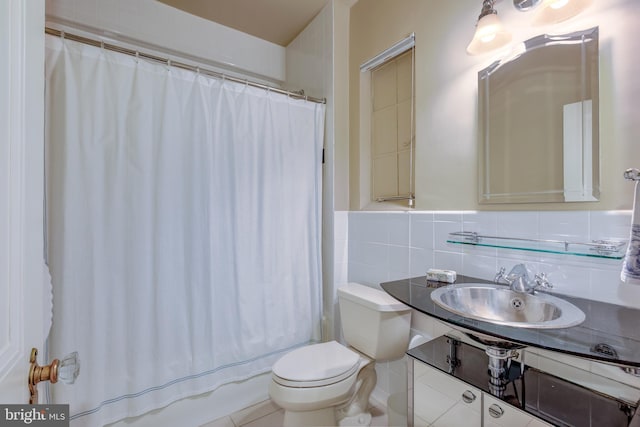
21 193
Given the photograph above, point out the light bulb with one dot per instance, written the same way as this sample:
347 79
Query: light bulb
487 38
553 11
558 4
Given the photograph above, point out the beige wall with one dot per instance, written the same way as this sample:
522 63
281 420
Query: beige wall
446 94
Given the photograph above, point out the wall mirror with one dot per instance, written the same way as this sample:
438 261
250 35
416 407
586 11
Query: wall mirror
538 122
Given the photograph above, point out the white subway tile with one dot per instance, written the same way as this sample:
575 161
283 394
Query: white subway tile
375 254
610 225
477 250
422 216
567 279
448 216
366 274
448 261
482 267
421 231
394 245
420 261
518 224
607 286
441 232
564 225
399 228
480 222
356 253
515 256
399 261
368 227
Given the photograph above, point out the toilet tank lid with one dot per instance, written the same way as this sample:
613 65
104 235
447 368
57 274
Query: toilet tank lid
375 299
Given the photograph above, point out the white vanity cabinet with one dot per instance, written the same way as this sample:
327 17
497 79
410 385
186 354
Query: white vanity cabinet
497 413
441 400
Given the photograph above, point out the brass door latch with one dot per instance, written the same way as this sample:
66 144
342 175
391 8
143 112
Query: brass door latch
66 370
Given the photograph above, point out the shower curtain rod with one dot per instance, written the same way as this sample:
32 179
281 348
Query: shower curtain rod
99 43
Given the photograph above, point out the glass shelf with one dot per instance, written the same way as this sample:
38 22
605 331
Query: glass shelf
598 248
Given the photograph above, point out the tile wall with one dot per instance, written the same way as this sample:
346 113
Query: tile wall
374 247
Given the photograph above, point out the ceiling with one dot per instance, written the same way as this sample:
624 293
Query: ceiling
277 21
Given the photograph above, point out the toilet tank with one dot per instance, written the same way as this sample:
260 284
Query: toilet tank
373 322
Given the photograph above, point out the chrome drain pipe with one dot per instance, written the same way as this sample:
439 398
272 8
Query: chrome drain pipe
499 364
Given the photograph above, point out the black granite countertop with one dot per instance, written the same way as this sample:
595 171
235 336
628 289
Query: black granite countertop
615 326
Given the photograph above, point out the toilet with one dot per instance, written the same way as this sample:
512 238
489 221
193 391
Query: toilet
329 384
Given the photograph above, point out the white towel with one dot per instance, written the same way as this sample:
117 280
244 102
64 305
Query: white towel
631 266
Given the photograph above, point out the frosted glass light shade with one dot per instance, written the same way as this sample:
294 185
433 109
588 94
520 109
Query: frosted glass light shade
490 35
552 11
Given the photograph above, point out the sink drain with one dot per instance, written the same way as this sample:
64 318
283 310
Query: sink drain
517 304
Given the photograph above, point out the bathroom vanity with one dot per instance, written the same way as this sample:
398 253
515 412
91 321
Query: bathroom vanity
451 382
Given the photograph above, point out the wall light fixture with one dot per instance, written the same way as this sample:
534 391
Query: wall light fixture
490 33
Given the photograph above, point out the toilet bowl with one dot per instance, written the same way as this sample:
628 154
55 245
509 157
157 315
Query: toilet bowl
310 381
329 384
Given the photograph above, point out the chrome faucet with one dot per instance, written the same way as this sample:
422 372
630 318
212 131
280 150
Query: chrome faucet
519 281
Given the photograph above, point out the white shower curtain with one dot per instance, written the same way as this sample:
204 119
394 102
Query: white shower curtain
183 228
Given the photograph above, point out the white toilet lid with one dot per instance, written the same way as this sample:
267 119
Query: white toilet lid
316 365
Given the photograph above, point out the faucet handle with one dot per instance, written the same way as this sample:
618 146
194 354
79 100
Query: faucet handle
541 280
499 275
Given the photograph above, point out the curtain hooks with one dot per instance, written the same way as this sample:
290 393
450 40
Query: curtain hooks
62 35
137 56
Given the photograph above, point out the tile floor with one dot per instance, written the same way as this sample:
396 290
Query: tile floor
268 414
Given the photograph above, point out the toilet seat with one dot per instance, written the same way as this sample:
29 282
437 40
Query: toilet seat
316 365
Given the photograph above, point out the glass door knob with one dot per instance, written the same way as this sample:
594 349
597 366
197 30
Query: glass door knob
69 368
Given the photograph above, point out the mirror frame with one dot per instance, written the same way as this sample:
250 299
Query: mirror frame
587 122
